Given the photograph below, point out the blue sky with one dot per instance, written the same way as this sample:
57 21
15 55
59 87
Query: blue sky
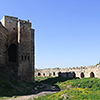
67 32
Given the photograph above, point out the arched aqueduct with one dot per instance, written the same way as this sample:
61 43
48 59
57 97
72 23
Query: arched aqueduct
81 72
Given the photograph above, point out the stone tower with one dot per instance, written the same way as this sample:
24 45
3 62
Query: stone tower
19 52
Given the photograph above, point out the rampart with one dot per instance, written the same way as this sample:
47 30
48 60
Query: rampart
89 71
17 46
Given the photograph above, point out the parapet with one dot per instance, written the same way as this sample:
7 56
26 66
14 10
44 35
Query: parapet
15 18
24 21
11 17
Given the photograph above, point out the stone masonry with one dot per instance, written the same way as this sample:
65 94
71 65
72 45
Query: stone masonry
17 46
84 71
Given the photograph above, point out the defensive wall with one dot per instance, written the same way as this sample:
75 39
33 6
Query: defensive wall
89 71
17 46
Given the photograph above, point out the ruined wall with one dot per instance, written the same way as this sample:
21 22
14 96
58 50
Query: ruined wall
25 47
3 45
10 23
20 46
33 52
89 71
98 71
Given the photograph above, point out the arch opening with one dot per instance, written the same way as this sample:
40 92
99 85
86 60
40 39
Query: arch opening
66 74
92 75
53 73
12 53
82 75
39 74
59 74
49 74
43 74
74 75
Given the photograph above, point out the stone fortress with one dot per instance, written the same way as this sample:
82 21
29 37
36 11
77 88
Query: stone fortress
17 51
81 72
17 46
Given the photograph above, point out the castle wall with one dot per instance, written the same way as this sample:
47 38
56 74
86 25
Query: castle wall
33 52
89 71
17 46
10 23
98 71
25 53
3 45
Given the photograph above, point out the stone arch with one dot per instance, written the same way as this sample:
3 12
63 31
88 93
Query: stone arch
59 74
49 74
82 75
92 75
12 53
66 74
54 74
39 74
74 75
69 74
43 74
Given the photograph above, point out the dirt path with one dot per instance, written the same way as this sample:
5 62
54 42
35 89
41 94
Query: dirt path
31 96
48 90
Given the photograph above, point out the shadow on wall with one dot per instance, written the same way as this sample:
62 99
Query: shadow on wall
73 74
12 52
67 74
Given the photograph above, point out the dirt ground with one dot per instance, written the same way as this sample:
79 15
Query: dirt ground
48 90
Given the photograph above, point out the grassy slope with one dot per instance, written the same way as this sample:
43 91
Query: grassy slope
86 88
10 85
80 89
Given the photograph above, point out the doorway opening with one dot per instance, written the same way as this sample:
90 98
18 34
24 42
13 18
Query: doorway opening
74 75
92 74
82 75
12 52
